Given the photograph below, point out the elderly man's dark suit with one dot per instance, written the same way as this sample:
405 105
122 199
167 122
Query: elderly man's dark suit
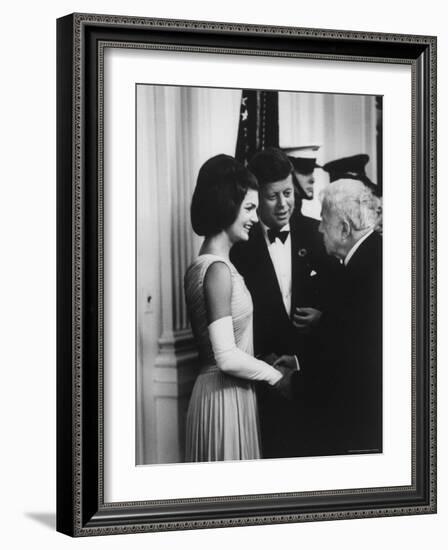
341 385
312 274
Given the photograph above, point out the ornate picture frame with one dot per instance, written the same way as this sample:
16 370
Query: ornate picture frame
81 506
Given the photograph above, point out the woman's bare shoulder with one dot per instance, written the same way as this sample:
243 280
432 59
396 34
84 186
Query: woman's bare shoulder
218 290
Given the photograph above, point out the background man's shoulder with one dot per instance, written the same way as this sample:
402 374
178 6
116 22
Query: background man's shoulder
305 223
307 233
243 255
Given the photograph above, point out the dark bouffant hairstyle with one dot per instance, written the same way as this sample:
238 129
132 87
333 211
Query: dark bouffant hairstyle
270 165
220 189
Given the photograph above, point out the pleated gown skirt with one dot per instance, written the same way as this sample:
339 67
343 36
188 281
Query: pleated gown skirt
222 419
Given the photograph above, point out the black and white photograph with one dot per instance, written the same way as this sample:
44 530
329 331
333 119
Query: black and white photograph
259 278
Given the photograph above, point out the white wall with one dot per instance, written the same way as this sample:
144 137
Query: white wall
27 305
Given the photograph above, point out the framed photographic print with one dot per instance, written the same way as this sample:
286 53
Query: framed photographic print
246 274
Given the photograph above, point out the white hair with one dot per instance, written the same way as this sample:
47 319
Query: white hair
352 201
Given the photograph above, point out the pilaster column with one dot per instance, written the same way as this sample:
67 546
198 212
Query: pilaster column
176 363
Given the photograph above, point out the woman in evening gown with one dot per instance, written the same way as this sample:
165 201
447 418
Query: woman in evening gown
222 418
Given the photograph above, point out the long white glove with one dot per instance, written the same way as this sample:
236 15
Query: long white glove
234 361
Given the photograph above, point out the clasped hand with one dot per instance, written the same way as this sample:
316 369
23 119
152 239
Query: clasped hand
305 318
287 365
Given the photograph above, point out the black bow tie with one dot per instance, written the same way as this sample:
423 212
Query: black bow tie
277 234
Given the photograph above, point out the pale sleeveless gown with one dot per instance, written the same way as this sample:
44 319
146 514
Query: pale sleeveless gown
222 418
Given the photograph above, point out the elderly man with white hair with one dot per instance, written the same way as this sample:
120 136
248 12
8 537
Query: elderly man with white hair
349 217
340 388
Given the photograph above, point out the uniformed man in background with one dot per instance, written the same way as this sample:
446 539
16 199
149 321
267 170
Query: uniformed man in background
303 160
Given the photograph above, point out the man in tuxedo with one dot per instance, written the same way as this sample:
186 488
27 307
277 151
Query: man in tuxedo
288 274
340 387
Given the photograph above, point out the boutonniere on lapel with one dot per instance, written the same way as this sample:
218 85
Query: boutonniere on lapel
302 252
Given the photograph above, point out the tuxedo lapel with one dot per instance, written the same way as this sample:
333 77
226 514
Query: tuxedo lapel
295 267
299 263
266 278
367 259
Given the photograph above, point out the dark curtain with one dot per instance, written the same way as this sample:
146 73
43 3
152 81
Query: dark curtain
258 126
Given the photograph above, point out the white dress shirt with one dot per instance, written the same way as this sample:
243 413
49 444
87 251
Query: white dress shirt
280 254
